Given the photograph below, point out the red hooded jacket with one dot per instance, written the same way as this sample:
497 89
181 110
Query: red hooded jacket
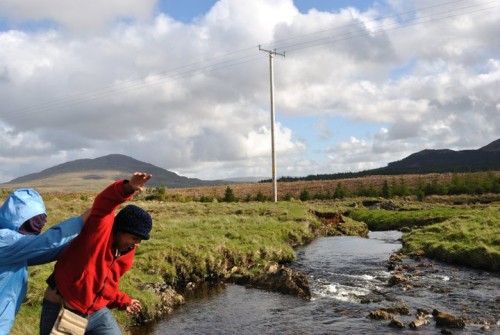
87 273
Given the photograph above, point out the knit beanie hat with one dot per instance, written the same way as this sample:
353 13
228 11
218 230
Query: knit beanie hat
134 220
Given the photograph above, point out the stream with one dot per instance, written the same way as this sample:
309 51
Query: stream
348 277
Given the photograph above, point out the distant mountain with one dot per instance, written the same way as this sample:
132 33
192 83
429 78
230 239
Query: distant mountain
486 158
100 171
445 160
492 147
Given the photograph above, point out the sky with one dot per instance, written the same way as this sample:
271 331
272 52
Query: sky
183 84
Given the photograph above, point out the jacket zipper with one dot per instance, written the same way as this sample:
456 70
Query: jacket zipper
104 282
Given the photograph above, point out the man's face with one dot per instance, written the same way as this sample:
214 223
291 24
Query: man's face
126 241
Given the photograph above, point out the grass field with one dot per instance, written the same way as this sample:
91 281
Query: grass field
193 241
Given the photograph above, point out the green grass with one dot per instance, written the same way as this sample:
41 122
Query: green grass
459 234
472 239
195 240
394 220
192 241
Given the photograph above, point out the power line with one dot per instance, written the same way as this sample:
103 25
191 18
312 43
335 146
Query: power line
131 84
387 27
356 24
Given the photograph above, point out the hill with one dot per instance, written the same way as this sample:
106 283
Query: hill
92 174
429 161
486 158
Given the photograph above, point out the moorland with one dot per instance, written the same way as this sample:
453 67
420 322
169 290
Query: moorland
232 232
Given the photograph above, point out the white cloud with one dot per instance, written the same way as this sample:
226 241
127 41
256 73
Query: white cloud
77 15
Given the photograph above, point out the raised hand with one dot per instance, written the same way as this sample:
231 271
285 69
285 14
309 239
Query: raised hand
138 180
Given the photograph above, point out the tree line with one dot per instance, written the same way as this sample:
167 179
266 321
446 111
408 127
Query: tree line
466 184
459 184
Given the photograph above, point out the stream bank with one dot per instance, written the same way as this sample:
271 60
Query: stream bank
349 279
335 224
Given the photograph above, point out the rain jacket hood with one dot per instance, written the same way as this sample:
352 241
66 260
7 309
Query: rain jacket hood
17 251
20 206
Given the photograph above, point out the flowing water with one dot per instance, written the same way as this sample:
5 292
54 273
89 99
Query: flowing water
348 277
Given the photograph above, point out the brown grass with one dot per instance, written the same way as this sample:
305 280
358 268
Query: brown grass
71 182
75 183
314 186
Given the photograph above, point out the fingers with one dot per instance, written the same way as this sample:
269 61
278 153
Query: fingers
134 307
139 179
143 175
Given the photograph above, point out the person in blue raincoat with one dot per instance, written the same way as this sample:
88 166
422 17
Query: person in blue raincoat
22 217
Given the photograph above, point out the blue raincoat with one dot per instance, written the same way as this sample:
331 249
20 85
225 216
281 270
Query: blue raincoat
17 251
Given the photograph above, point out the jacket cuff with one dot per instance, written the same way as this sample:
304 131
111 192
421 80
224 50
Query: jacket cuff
121 189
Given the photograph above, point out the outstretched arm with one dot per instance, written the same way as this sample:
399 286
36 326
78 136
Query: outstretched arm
60 242
38 249
115 194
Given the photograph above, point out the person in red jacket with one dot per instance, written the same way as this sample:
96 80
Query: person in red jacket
87 274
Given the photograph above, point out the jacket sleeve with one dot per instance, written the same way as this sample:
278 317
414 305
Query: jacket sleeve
107 202
38 249
121 301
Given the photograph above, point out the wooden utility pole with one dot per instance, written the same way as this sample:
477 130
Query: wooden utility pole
271 78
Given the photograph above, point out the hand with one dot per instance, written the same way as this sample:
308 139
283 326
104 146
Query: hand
134 307
138 180
85 215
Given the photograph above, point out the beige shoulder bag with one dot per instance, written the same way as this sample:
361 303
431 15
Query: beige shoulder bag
69 323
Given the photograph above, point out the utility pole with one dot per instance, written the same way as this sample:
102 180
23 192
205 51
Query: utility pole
271 78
